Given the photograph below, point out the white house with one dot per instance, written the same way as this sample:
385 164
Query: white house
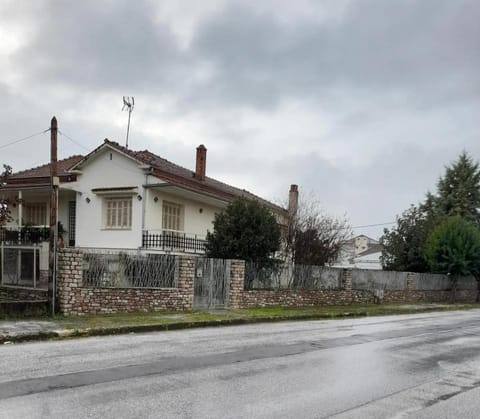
119 198
360 252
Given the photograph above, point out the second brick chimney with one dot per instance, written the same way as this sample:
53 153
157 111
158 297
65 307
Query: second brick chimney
293 201
201 163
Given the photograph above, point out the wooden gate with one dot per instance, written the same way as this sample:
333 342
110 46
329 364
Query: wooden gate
212 283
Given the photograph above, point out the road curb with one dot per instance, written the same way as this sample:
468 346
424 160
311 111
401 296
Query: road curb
74 333
87 332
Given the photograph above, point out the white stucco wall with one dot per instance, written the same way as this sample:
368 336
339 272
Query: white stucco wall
198 216
109 169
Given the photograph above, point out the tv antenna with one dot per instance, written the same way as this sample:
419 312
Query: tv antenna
128 103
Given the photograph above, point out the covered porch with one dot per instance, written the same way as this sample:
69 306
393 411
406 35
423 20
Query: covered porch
24 249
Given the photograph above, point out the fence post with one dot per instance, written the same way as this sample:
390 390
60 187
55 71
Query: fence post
347 280
70 276
410 276
237 281
186 276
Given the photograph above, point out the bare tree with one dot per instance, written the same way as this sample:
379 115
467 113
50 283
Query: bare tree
313 236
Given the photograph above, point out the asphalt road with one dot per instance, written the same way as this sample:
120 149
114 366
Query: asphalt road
418 366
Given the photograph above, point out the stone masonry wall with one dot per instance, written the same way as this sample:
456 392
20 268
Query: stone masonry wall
76 299
343 296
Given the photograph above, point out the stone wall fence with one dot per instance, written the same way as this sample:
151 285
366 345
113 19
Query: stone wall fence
77 298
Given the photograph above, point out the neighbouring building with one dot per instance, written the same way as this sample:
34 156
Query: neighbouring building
360 252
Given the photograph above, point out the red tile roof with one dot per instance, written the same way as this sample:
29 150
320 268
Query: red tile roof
162 169
166 170
44 171
40 176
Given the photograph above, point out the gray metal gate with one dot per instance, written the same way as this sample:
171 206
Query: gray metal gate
212 283
19 265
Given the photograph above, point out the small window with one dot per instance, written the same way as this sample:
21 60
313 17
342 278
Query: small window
35 213
118 213
172 216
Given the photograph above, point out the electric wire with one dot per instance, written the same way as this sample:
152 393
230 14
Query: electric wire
23 139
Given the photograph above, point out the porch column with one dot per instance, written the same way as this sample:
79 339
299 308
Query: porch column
20 214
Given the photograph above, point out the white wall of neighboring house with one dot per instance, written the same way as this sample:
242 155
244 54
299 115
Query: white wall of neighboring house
351 255
108 169
370 261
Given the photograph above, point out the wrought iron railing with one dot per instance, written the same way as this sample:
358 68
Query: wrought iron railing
25 235
173 241
127 269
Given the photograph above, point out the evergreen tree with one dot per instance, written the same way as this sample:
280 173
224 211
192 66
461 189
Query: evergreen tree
244 230
459 190
403 245
453 248
458 194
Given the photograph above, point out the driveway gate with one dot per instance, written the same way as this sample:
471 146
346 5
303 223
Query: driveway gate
212 283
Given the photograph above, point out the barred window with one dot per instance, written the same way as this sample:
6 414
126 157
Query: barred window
172 216
118 213
35 213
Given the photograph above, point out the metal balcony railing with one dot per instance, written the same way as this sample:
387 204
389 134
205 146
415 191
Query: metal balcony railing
173 241
25 235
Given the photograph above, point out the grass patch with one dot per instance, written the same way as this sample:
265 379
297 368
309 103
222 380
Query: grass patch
164 319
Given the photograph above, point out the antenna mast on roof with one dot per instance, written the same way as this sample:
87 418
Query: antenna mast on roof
128 103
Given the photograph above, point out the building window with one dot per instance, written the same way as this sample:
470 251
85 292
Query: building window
35 213
172 216
118 213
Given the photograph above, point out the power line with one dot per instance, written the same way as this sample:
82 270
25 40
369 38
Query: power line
23 139
74 141
376 225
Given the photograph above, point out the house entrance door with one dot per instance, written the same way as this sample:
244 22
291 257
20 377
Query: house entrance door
212 283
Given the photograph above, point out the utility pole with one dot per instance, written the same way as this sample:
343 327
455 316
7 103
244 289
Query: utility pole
54 182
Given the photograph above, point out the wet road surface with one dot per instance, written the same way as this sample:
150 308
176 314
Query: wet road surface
418 366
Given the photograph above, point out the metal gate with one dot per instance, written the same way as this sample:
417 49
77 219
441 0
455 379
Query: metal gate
212 283
19 265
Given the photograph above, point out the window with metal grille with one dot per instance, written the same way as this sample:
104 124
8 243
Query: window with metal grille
35 213
118 213
172 216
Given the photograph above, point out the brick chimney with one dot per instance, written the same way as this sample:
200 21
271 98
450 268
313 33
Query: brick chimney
293 201
201 164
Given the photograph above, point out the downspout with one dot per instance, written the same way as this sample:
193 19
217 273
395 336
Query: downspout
144 202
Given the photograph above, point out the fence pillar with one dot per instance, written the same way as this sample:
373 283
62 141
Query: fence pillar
186 278
347 280
237 283
410 276
69 277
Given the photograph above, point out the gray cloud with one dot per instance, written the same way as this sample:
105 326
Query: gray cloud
364 107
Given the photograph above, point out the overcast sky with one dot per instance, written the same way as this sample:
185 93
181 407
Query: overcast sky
362 102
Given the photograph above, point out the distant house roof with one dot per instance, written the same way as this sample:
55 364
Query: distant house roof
373 248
